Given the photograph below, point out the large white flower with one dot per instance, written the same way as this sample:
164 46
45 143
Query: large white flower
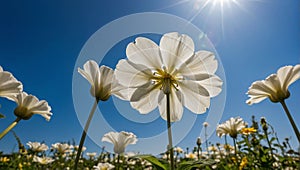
102 80
28 105
9 85
173 68
120 140
37 146
275 87
231 127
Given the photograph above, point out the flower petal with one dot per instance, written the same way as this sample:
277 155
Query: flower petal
256 99
288 75
196 97
110 137
202 62
132 75
176 108
144 51
213 85
90 72
9 86
175 49
145 98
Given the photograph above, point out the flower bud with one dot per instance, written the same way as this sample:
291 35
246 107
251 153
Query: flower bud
199 141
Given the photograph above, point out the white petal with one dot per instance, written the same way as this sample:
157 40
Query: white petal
202 62
106 76
256 99
196 98
265 87
30 101
148 102
213 85
132 75
110 137
9 86
175 49
126 138
1 69
176 109
144 51
288 75
90 72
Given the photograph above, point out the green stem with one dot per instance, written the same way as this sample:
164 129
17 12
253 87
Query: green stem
269 143
235 150
86 127
206 142
291 119
170 132
12 125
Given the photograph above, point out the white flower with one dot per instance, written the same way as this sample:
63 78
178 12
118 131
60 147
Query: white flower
275 87
171 68
43 160
104 166
120 140
102 80
191 156
178 149
9 85
62 147
28 105
91 154
76 147
231 127
37 146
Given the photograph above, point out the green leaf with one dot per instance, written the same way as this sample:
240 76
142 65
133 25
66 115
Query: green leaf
154 161
188 165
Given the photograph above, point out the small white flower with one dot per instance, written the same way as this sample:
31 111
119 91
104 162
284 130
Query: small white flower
102 80
178 149
9 85
275 87
91 154
76 147
104 166
231 127
28 105
37 146
120 140
191 156
62 148
43 160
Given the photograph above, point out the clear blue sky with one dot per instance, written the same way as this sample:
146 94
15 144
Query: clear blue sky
41 40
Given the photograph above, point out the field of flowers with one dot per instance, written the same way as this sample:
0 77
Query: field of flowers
168 76
257 147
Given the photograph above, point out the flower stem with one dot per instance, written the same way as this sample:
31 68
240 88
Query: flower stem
206 142
12 125
269 143
291 119
235 150
86 127
170 146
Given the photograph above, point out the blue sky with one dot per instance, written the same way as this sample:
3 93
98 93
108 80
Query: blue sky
41 40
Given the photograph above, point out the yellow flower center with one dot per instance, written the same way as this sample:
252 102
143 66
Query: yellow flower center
164 80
